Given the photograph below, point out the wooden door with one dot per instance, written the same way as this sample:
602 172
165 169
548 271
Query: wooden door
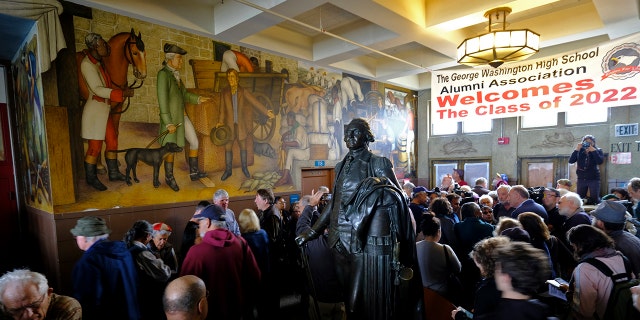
312 178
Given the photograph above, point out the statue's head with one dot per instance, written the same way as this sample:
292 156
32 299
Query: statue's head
358 134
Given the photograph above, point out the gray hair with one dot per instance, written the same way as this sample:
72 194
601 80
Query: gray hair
219 194
634 184
504 186
24 277
219 224
91 39
304 201
160 232
481 181
485 196
169 56
520 190
573 198
97 238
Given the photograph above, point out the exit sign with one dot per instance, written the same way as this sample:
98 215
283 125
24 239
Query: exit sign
625 130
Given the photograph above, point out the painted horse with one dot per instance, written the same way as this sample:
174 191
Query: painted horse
127 48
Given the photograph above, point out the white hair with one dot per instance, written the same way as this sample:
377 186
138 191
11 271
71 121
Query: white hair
574 198
24 277
304 201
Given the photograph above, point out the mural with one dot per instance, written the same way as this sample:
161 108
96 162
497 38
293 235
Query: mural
33 157
286 112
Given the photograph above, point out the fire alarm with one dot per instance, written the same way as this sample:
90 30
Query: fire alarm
503 140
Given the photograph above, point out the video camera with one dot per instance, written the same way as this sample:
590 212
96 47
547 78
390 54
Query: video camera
460 192
536 194
467 196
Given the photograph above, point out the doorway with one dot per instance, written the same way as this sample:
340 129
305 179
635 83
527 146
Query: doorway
545 171
312 178
9 217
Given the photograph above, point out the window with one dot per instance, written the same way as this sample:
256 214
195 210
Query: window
444 128
473 126
473 169
535 121
592 116
470 126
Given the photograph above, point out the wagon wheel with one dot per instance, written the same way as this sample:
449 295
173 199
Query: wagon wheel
263 127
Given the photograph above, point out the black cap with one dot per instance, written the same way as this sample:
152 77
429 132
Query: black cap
172 48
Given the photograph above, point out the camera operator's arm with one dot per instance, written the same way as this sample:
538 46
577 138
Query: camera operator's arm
318 228
304 222
574 155
596 154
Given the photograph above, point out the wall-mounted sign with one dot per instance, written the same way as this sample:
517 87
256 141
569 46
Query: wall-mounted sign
625 130
621 158
319 163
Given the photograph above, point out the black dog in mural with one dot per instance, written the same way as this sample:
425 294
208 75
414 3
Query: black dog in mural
152 157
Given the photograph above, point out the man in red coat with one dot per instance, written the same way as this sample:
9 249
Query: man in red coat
225 263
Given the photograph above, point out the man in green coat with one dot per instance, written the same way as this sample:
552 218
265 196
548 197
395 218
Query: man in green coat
172 96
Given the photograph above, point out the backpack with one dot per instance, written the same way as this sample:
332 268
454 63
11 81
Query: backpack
620 304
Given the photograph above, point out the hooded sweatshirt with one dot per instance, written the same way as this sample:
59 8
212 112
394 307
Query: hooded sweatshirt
228 268
105 282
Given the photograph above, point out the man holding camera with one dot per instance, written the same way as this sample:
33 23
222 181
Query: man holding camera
588 157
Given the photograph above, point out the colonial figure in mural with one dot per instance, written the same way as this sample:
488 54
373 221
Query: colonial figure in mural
172 96
236 112
97 126
370 230
295 146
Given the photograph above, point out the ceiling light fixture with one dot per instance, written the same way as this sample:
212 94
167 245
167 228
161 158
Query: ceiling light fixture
498 45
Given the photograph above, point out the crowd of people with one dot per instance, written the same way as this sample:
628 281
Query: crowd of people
545 233
500 246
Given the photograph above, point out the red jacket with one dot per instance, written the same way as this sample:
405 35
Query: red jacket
228 268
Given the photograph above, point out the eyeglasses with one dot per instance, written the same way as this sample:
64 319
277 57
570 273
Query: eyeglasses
32 306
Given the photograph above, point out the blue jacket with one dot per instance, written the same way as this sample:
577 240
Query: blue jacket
530 206
469 232
105 282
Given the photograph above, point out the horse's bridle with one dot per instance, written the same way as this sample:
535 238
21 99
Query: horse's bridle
127 49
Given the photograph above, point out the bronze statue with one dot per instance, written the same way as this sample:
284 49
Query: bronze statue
370 232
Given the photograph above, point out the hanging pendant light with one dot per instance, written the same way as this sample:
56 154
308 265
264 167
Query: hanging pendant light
499 45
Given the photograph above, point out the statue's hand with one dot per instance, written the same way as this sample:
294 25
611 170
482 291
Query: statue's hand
305 237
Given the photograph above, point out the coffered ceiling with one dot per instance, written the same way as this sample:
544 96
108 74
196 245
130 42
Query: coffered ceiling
393 41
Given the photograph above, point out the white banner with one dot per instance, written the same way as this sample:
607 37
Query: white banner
601 77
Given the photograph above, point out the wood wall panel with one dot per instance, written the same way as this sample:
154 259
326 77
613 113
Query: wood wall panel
60 164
